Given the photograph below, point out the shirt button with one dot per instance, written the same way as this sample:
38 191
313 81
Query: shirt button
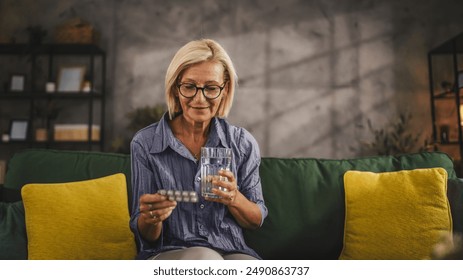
201 206
198 179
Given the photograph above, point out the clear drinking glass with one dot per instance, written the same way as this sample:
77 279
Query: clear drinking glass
213 160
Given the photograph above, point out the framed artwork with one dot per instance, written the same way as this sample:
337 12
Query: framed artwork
70 79
18 130
17 82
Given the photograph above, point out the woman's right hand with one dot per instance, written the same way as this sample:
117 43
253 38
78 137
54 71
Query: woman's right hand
155 208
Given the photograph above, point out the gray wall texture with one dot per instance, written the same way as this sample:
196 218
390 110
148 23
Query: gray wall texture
310 71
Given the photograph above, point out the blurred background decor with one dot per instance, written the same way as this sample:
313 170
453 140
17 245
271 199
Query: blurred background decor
137 119
395 138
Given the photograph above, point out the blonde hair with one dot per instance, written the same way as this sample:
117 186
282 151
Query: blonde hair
192 53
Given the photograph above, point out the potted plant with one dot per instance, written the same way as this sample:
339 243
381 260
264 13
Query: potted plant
395 138
138 119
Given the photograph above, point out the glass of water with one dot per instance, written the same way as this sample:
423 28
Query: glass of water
213 160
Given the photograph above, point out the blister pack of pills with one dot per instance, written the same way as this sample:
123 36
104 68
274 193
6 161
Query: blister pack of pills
180 196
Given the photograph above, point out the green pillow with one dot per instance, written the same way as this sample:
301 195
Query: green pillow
13 238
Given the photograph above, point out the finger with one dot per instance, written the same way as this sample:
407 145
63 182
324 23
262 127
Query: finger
220 200
219 192
228 174
160 206
224 200
154 201
222 184
152 198
148 201
166 214
160 215
164 204
153 215
227 196
227 185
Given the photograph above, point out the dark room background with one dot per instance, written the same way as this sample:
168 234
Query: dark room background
311 72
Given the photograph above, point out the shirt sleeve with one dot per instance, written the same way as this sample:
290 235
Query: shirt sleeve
142 180
248 171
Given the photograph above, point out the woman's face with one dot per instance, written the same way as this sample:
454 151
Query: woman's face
198 108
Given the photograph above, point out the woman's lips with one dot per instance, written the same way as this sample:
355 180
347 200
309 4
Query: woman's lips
199 107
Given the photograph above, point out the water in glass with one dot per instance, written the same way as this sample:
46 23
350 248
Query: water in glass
213 160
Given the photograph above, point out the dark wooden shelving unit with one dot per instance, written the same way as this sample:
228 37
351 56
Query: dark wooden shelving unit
53 55
445 63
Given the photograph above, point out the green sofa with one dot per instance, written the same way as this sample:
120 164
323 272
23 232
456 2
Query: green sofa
305 197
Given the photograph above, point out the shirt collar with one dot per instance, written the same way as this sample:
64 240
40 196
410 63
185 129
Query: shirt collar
217 136
164 137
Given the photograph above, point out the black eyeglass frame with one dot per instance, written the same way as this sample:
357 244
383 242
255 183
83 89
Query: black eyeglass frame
202 90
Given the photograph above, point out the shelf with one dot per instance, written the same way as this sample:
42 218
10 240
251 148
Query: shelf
44 95
448 47
51 143
445 95
45 49
450 143
447 100
83 107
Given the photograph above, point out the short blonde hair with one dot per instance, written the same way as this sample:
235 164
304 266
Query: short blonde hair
192 53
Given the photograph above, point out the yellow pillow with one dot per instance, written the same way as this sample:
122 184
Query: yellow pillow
79 220
395 215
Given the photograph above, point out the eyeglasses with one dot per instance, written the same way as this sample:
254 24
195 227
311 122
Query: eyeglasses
189 90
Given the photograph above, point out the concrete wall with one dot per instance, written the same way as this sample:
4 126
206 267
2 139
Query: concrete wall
310 71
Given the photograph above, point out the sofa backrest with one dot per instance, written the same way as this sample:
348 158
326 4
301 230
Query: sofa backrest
305 196
305 200
53 166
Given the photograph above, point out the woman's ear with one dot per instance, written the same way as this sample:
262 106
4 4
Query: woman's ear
174 91
226 88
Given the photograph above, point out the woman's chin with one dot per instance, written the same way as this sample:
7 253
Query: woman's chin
200 115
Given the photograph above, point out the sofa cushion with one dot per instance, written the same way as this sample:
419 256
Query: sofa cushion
79 220
305 200
395 215
13 241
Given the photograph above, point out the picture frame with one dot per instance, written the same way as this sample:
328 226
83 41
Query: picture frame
70 79
17 82
18 129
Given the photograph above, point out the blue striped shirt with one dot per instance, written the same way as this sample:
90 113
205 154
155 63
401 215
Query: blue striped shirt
161 161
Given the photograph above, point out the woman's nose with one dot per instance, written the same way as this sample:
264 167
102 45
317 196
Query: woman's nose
200 95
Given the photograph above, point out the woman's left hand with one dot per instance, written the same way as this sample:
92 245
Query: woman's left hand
245 212
225 197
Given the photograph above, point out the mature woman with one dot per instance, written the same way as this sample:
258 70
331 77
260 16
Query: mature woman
200 84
